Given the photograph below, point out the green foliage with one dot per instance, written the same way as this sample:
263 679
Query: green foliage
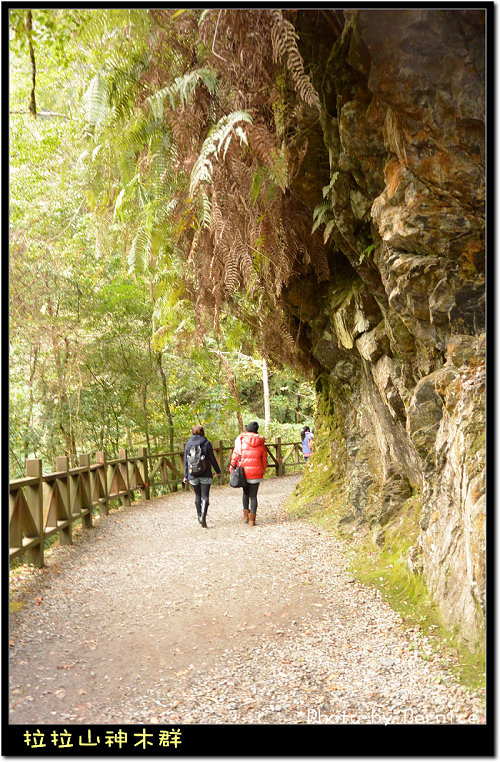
323 213
328 188
269 181
95 269
140 251
53 32
367 252
96 100
182 90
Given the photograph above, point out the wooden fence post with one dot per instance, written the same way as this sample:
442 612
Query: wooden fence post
62 486
123 455
65 533
86 491
34 500
143 469
103 475
280 468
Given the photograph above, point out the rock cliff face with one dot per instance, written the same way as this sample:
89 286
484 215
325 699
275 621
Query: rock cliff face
398 332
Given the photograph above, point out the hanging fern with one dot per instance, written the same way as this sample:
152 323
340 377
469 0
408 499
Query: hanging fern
217 140
329 187
319 214
323 214
284 40
182 90
95 100
163 156
140 251
244 238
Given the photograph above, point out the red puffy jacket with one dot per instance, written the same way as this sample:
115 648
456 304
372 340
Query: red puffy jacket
253 455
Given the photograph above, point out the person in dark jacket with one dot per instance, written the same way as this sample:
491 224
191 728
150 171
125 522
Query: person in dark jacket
250 452
200 482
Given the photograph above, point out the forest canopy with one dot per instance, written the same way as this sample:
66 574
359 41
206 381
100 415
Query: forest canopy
149 245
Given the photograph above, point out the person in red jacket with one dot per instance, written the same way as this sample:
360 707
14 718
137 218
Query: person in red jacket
252 449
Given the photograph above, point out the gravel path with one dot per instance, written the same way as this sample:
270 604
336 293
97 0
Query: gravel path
148 618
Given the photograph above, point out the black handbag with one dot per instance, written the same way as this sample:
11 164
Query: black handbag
237 476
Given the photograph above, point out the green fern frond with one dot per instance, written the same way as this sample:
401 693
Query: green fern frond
119 202
128 164
123 82
258 181
328 230
95 100
366 252
316 224
279 169
163 157
139 252
320 210
182 90
319 213
328 188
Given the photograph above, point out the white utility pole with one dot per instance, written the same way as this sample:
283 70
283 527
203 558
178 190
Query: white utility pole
267 405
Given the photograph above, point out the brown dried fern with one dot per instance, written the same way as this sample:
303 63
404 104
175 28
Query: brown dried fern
284 41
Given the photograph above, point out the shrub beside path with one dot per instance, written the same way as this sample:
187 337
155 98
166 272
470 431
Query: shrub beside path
148 618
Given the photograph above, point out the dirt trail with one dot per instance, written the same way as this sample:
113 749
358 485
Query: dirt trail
150 618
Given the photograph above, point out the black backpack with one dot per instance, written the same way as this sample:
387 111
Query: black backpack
196 461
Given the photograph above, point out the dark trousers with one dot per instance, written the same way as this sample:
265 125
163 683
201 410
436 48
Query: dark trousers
201 492
250 497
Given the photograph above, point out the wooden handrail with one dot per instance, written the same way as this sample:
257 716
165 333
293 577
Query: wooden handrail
42 505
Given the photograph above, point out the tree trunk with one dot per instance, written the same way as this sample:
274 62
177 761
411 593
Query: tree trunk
166 403
31 402
146 420
233 386
29 28
60 361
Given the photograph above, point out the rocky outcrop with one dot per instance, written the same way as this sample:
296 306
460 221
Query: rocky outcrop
398 332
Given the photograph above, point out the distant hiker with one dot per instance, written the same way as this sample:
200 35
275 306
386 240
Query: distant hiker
250 452
307 440
198 459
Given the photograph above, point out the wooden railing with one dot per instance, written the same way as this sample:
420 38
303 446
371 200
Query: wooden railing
45 505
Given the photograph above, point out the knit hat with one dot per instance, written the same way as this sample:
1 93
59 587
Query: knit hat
254 427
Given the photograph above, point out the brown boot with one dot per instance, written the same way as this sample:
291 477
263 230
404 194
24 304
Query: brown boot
251 519
246 512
